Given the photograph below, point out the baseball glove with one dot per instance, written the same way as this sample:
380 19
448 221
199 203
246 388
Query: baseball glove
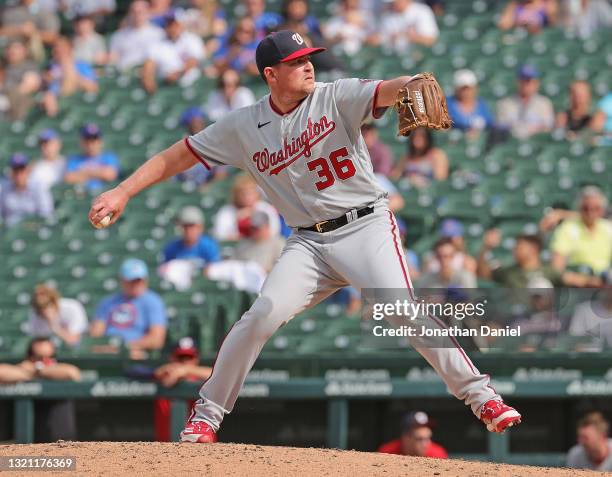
421 102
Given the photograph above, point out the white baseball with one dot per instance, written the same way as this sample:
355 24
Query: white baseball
105 222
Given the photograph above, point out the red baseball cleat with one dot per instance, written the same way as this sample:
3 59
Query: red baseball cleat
198 431
498 416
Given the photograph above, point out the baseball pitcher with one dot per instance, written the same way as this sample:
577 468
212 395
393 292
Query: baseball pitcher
302 144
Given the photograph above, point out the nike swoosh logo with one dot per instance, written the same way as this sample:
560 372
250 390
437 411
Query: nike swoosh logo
261 125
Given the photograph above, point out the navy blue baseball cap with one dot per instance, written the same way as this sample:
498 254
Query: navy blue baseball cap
91 131
191 113
168 18
280 47
527 72
18 160
47 135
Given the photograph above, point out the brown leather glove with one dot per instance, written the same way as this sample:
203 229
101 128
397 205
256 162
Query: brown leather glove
421 102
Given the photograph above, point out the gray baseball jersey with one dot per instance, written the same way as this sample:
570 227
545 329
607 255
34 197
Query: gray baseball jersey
313 165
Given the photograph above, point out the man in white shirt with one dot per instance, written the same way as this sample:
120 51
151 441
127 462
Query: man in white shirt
129 46
527 112
408 23
174 59
49 169
228 96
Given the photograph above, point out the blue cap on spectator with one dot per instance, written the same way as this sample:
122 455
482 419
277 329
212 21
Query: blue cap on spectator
18 160
191 113
451 228
90 131
528 72
133 269
47 135
168 18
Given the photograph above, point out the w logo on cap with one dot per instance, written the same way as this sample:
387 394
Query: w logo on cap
297 38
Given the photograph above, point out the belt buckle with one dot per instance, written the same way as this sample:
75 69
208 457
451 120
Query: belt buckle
318 226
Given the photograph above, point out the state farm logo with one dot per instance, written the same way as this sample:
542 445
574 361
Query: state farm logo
292 151
419 100
297 38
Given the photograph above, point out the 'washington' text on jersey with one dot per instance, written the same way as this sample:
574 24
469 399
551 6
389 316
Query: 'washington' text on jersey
299 146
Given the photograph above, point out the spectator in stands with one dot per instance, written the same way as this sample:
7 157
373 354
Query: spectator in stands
19 199
129 46
159 10
584 241
602 120
532 15
264 21
527 112
594 317
424 162
233 220
136 314
194 119
578 117
542 318
49 169
407 23
228 96
176 59
65 76
207 20
19 81
193 243
55 419
89 46
94 166
30 24
448 276
40 363
453 229
415 439
594 448
184 365
53 315
260 246
238 52
349 28
380 153
468 111
585 17
527 264
95 9
295 17
295 13
437 6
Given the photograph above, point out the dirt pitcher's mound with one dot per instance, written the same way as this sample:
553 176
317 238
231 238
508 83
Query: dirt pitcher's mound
173 459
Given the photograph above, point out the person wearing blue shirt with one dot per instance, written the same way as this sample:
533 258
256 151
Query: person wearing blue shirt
468 111
193 244
136 314
94 166
65 76
602 121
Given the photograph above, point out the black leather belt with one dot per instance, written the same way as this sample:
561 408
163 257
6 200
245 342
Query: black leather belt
333 224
